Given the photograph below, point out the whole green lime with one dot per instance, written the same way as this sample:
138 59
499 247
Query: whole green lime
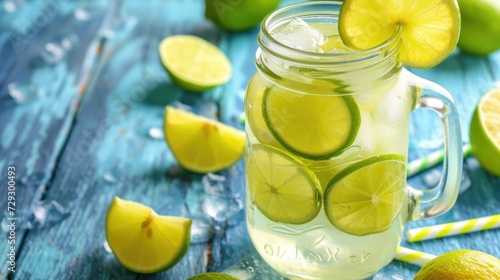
213 276
238 15
460 265
480 34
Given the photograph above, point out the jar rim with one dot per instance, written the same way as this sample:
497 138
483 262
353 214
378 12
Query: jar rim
269 44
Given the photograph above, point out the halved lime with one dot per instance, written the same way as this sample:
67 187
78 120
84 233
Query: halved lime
313 126
429 29
366 197
144 241
200 144
193 63
281 187
485 131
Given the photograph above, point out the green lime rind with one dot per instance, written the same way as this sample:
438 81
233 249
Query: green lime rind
181 83
359 170
479 34
355 118
213 276
484 148
271 175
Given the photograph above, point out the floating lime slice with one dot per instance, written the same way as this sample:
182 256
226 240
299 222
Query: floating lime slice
281 187
314 126
366 197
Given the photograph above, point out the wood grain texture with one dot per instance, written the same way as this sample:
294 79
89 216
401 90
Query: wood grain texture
86 139
32 135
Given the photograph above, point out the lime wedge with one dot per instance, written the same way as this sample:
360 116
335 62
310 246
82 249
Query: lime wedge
143 241
193 63
200 144
365 197
485 132
313 126
429 29
281 188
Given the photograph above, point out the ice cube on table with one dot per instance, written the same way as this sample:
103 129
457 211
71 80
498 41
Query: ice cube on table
300 35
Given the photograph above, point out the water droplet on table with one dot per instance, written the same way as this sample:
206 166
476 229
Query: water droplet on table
52 53
156 133
47 214
201 230
109 177
106 247
10 6
24 93
81 14
70 41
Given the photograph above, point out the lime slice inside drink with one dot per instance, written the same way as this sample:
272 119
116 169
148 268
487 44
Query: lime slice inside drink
313 126
365 197
281 187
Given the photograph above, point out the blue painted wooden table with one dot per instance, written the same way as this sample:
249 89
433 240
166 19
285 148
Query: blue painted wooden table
82 94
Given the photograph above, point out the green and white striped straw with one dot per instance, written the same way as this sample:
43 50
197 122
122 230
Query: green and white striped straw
412 256
454 228
431 160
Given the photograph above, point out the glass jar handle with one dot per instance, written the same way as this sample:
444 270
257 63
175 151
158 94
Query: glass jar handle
440 199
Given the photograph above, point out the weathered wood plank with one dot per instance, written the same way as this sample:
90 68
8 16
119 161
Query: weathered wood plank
109 151
32 134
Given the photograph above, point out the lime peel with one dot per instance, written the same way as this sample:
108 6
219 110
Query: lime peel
311 126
